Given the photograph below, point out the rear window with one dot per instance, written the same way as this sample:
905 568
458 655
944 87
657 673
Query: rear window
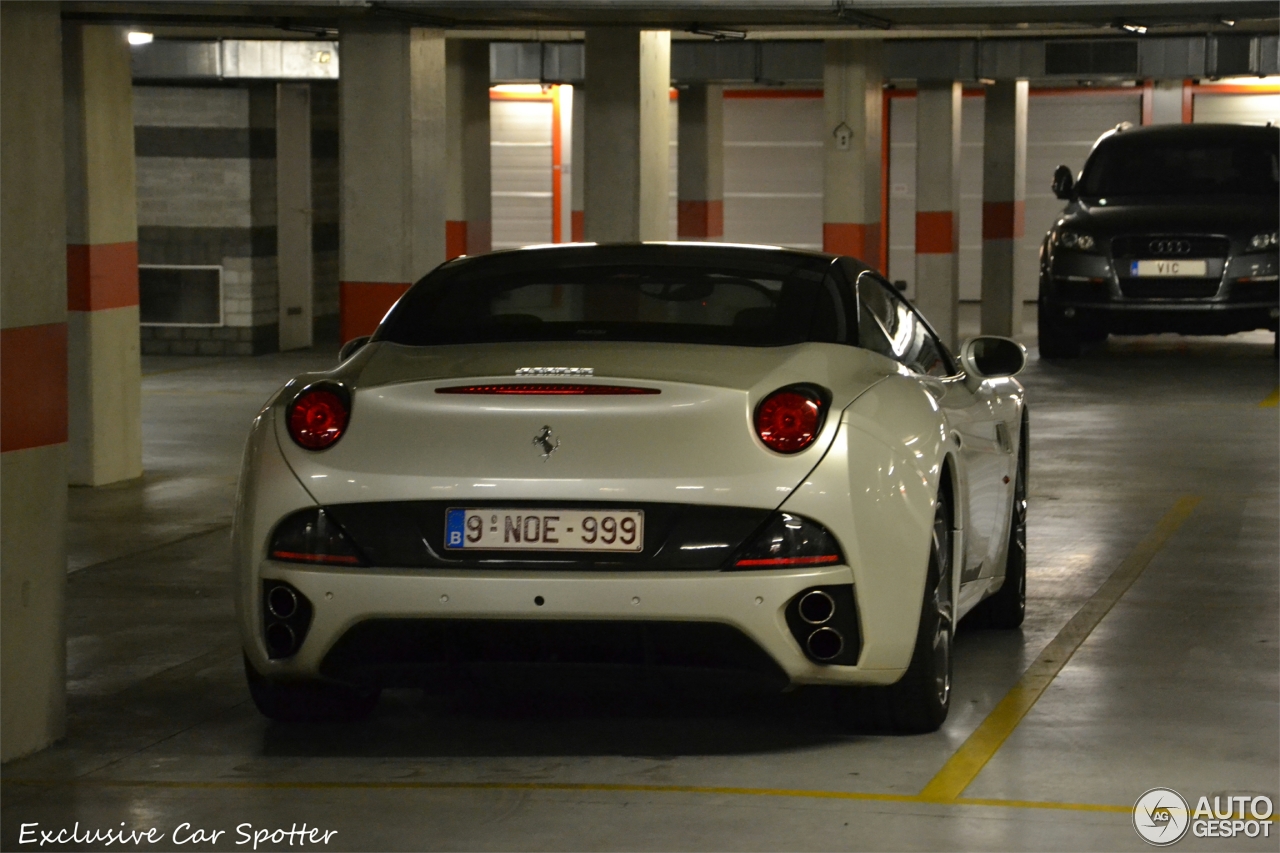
1181 167
682 303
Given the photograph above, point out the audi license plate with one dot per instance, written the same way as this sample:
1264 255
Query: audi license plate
492 529
1168 269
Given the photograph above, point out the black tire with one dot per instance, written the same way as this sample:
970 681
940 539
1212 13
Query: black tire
1059 336
1006 609
919 701
308 701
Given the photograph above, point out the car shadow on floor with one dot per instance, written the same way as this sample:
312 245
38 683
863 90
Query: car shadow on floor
533 711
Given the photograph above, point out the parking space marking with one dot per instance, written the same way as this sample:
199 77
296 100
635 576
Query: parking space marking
561 786
968 761
1272 400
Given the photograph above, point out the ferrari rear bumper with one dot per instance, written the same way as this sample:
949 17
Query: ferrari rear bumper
385 625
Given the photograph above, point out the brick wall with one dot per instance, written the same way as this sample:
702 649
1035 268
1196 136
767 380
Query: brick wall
207 195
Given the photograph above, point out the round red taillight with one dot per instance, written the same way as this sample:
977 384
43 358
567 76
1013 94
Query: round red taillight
788 420
318 418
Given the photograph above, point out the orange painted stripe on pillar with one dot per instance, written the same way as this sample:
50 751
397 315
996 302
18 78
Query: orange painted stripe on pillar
1003 220
455 239
101 276
363 304
557 170
33 386
576 226
699 219
933 232
855 239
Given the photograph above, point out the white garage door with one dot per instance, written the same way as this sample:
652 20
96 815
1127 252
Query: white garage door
1235 108
773 170
520 136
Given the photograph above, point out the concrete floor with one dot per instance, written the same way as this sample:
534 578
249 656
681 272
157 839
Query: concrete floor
1177 685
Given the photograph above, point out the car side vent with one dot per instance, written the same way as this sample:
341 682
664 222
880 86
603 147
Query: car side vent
1085 56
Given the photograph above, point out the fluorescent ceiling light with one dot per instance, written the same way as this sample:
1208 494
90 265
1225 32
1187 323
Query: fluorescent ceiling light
136 38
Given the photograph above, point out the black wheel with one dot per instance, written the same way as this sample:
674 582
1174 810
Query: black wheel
1059 336
1007 607
308 701
919 702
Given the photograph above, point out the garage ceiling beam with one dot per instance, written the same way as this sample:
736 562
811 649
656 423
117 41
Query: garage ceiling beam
825 15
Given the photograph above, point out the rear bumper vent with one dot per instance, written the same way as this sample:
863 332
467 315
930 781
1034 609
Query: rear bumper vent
402 652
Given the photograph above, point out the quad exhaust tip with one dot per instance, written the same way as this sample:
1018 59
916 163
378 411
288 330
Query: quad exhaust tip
281 641
282 602
817 607
825 644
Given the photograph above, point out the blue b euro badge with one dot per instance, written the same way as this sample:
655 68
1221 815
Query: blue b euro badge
455 521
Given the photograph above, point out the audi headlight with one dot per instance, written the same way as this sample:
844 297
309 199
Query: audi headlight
1262 241
1075 240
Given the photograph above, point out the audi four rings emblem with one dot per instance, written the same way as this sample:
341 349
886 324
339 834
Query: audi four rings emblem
1170 247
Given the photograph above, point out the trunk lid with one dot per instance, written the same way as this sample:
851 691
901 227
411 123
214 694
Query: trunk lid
691 443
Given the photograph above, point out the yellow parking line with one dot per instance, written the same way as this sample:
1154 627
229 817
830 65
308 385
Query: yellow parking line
557 786
977 750
1272 400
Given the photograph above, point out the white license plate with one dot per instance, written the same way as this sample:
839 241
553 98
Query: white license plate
493 529
1169 269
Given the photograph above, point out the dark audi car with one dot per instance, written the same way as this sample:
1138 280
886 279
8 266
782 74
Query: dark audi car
1169 229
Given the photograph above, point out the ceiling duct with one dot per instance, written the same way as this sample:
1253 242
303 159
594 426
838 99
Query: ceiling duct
1091 58
1232 55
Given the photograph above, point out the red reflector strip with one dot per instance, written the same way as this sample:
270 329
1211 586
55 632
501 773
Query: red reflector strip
791 561
315 558
549 389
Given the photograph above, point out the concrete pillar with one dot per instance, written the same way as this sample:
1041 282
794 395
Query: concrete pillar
626 154
1162 102
852 103
392 165
468 198
577 177
1004 191
938 206
294 259
33 379
700 206
105 373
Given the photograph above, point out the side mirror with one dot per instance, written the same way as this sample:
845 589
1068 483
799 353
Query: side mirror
351 347
991 357
1064 184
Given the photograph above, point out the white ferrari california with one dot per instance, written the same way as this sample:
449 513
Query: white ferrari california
665 454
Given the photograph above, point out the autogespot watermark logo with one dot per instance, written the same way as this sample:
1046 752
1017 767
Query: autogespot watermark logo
1161 816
